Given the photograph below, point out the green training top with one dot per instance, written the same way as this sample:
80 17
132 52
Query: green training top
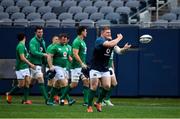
61 53
37 48
21 49
111 60
69 64
81 46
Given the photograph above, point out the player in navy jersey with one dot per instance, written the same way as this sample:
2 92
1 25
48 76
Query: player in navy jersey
99 67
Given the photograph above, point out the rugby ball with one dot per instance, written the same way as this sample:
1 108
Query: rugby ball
145 38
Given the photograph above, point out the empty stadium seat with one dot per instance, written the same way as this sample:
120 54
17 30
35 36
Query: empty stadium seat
22 3
68 23
106 9
85 3
116 3
28 9
69 3
52 23
6 22
64 16
160 24
58 10
90 9
48 16
17 15
113 17
44 9
54 3
99 4
37 22
75 9
96 16
80 16
12 9
102 22
21 22
87 23
7 3
37 3
169 16
33 16
4 15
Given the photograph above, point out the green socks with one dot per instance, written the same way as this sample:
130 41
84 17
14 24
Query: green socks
91 96
108 95
14 89
85 92
26 93
102 95
53 93
43 90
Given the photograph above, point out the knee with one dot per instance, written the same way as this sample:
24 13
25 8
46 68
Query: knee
74 85
106 87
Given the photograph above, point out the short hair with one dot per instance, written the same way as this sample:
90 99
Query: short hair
81 29
21 36
38 28
63 35
105 28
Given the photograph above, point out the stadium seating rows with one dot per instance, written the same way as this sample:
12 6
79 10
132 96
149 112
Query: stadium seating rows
68 13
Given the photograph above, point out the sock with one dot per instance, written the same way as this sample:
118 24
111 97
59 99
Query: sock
102 95
91 96
26 93
43 91
85 92
68 97
49 88
14 89
99 91
65 91
53 93
108 95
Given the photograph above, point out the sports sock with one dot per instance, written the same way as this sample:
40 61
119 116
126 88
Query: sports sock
102 95
53 93
26 93
43 90
14 89
65 91
91 96
49 88
85 92
108 95
68 97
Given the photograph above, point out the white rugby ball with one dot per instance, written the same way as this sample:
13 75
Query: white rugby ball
145 38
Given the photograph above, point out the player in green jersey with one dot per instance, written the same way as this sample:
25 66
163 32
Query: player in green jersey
22 70
50 83
59 55
79 51
38 56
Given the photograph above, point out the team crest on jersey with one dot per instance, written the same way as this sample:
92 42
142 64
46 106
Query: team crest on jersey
65 54
107 52
59 49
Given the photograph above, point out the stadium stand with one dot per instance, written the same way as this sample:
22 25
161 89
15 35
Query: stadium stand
115 11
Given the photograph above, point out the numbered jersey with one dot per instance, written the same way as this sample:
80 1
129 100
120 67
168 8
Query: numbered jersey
101 55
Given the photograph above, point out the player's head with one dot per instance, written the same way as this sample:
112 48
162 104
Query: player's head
63 38
82 31
55 39
106 32
39 31
21 36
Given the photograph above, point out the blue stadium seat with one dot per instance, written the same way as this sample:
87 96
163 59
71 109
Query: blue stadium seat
28 9
68 23
90 9
87 23
37 22
65 16
12 9
44 9
7 3
54 3
53 23
75 9
96 16
80 16
37 3
21 23
33 16
85 3
102 22
22 3
17 15
48 16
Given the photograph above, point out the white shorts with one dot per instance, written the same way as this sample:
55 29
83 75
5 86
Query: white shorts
22 73
97 74
37 72
112 71
75 74
61 74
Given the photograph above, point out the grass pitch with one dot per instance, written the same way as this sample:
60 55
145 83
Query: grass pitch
124 108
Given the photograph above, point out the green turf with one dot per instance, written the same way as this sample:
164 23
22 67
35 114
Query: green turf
124 108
